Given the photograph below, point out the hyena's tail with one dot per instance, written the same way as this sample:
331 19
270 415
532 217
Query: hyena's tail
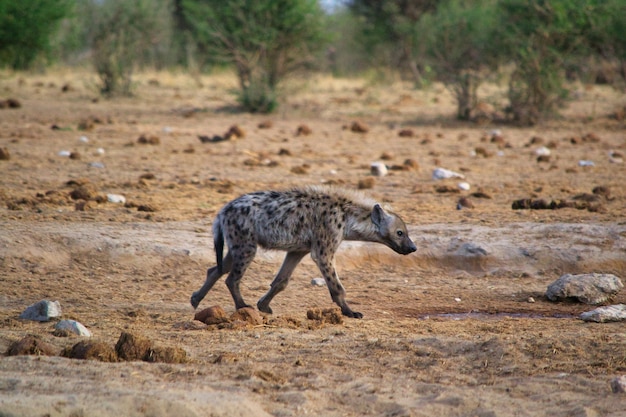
218 242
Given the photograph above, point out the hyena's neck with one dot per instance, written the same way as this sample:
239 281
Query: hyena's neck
359 225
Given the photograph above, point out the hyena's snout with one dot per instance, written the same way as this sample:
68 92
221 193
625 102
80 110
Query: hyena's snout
408 247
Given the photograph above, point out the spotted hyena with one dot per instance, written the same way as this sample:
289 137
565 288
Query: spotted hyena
299 221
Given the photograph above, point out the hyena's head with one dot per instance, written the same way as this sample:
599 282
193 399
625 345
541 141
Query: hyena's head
392 231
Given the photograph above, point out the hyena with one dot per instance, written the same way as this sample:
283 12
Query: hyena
299 221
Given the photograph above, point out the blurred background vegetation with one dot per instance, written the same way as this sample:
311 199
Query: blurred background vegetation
536 47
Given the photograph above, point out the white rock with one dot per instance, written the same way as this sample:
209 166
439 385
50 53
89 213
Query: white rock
74 327
318 282
100 151
586 288
586 163
531 300
542 151
64 153
167 129
116 198
464 186
605 314
378 169
442 173
43 310
457 299
96 164
83 139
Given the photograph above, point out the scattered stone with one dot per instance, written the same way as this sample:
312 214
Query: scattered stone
603 191
75 155
386 156
366 183
325 315
147 208
586 288
586 163
72 326
166 355
446 189
82 205
359 127
248 315
318 282
10 103
542 151
91 350
606 314
378 169
148 140
116 198
284 152
303 130
235 131
131 347
465 186
411 164
442 173
300 169
464 202
31 345
5 155
43 310
531 300
266 124
64 153
211 315
543 158
406 133
616 157
618 384
98 165
540 204
480 151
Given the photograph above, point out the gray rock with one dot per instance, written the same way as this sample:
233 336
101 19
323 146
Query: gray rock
74 327
618 384
43 310
586 288
318 282
605 314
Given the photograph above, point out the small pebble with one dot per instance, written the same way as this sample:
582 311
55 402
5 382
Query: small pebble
531 300
464 186
116 198
378 169
318 282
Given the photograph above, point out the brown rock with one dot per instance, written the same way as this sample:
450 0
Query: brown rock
359 127
131 347
325 315
266 124
411 164
386 156
406 133
303 130
91 350
148 140
4 154
248 315
465 202
84 192
31 345
75 155
235 131
211 315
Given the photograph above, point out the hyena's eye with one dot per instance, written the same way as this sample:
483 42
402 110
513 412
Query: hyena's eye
400 233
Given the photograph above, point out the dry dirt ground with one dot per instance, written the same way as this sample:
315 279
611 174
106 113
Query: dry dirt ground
445 332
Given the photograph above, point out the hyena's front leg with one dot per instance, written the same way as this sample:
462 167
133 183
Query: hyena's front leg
282 279
212 275
242 258
326 264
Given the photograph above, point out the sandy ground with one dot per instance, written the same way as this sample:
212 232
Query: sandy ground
444 333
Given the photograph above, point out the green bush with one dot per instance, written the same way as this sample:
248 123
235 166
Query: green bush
26 27
461 47
264 40
121 34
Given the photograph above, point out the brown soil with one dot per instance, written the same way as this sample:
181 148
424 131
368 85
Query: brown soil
446 330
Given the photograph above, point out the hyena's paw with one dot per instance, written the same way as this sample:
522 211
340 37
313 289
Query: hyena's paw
264 308
352 314
195 300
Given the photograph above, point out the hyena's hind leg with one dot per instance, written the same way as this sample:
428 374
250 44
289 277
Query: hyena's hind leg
212 275
242 258
282 279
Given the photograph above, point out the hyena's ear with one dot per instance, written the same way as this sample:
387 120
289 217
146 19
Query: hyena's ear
378 216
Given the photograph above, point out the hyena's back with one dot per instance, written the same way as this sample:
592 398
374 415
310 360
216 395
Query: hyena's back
287 220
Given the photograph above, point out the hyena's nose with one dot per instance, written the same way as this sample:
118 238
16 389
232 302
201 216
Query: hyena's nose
412 247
